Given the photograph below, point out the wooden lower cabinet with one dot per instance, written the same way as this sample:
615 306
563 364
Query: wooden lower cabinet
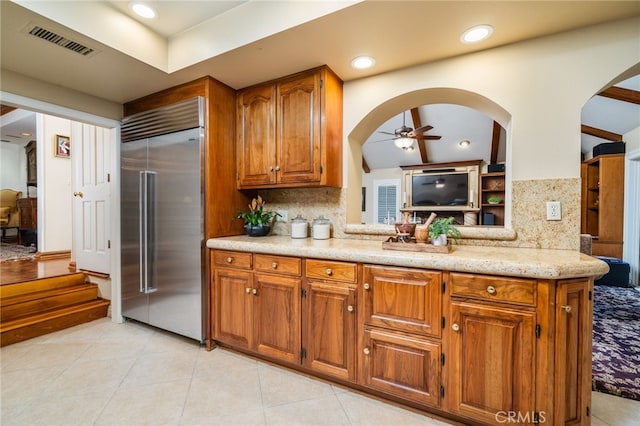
491 361
402 365
481 349
330 344
277 316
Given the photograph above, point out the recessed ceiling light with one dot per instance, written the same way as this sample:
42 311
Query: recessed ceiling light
363 62
476 34
464 143
143 10
25 134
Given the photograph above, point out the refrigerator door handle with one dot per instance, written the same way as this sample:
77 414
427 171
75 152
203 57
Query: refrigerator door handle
151 232
142 183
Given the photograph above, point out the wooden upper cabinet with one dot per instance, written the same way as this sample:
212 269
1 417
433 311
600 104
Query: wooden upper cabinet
290 132
256 135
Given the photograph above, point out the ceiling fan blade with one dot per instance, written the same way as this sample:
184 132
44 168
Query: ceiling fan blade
422 129
387 133
381 140
428 137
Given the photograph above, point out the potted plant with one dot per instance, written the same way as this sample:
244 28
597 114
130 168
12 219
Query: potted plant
257 220
442 228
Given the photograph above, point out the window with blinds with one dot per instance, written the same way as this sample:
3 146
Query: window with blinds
386 202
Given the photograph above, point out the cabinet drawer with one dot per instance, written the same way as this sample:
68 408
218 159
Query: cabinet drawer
501 289
234 259
279 264
329 270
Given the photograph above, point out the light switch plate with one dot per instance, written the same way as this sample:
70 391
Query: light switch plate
284 215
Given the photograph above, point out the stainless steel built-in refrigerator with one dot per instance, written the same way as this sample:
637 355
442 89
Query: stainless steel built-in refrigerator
162 217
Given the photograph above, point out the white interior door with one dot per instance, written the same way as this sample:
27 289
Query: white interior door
93 149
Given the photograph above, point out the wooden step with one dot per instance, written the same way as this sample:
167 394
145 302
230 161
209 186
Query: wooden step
16 289
41 301
53 320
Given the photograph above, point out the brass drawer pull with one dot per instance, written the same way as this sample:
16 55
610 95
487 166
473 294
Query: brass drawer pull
329 271
366 286
366 351
491 290
274 265
566 308
350 308
229 259
455 327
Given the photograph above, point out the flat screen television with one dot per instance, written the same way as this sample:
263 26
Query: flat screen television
441 189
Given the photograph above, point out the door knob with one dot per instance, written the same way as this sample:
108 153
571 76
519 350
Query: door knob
78 194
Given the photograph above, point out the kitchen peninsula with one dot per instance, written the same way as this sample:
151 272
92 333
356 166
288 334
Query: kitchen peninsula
472 335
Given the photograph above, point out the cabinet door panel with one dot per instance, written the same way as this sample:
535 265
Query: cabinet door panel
402 298
492 360
277 316
256 136
233 307
331 327
408 367
574 321
298 127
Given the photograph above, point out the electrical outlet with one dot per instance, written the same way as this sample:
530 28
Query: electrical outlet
553 210
284 215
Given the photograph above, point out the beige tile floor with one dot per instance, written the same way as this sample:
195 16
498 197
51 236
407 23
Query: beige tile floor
102 373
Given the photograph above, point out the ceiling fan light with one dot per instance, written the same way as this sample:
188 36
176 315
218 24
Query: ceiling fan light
142 10
363 62
403 142
476 34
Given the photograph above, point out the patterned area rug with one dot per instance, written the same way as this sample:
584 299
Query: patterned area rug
616 341
15 252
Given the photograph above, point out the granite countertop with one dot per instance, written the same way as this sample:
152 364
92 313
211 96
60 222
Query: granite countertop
516 262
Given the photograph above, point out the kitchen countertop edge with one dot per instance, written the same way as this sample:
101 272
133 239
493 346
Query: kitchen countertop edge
516 262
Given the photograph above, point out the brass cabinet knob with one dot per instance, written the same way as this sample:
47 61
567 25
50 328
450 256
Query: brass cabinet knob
274 265
566 308
350 308
491 290
455 327
277 168
366 351
229 259
270 168
329 271
248 290
366 286
254 291
78 194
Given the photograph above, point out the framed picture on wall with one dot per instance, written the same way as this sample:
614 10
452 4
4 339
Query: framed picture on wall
63 146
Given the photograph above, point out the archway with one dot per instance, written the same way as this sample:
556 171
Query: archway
393 106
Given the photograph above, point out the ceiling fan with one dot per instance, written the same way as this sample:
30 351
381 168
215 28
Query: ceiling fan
404 136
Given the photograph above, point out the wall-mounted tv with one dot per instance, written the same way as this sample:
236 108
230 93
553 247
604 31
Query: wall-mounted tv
454 188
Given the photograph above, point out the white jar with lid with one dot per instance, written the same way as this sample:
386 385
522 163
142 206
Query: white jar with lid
321 228
299 227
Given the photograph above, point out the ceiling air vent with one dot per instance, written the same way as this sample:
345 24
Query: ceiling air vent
61 41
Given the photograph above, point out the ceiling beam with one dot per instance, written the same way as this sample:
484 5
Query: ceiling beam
621 94
495 142
5 109
415 117
365 166
599 133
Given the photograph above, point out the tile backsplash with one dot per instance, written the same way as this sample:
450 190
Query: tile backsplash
528 212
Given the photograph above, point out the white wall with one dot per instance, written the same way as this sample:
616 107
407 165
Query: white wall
13 163
54 186
543 84
632 139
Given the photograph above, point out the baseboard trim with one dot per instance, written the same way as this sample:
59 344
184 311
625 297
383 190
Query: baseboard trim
53 255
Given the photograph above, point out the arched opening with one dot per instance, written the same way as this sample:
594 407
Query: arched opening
413 100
